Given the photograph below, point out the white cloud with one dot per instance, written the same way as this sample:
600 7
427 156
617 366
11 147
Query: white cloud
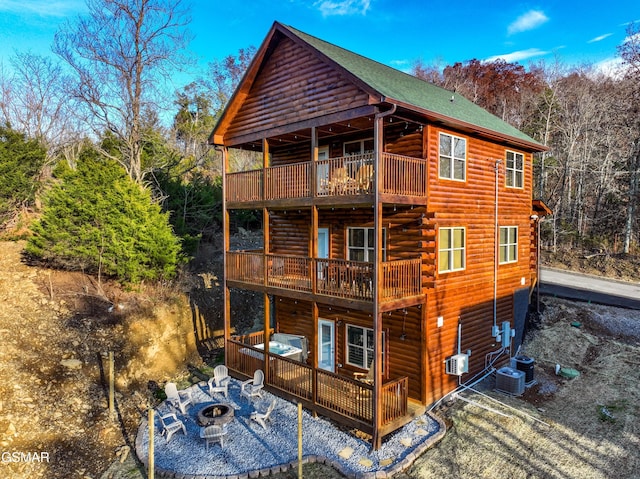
528 21
632 39
611 67
600 38
343 7
43 8
518 55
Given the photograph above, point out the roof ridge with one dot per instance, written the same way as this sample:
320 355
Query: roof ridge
395 85
368 59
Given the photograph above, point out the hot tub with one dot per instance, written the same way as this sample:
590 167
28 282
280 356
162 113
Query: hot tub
282 349
275 347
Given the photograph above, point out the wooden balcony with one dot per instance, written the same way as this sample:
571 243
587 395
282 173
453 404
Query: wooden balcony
342 398
349 176
336 278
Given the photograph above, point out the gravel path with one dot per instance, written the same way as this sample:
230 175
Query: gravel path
251 449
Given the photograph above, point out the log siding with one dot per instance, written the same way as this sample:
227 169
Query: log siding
297 99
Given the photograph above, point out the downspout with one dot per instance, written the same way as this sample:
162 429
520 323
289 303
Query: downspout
496 254
538 220
378 135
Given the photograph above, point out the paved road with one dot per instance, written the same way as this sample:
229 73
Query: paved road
564 284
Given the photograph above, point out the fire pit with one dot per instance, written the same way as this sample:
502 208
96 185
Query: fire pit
215 414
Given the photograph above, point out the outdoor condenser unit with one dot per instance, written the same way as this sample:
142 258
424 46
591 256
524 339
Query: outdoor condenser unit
457 365
510 381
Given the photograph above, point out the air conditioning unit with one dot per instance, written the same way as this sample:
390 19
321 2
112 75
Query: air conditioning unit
510 381
457 365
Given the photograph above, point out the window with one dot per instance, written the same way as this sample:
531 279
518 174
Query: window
361 244
453 157
508 244
451 249
360 346
515 170
358 147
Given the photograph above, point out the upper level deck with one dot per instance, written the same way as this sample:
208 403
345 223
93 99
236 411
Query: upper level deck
348 179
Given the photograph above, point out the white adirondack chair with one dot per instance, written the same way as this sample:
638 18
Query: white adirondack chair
171 424
262 418
253 387
179 399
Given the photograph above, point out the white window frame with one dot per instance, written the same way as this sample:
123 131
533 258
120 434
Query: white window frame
451 157
514 176
450 249
508 247
366 348
362 150
366 246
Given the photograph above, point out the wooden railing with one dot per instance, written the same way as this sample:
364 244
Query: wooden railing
345 279
244 186
244 358
291 376
344 176
343 395
404 175
290 181
400 279
334 277
394 397
289 272
246 266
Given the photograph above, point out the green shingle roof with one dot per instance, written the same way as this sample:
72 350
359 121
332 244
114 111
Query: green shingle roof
398 86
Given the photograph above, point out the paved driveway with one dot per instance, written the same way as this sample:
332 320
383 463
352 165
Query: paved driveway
582 287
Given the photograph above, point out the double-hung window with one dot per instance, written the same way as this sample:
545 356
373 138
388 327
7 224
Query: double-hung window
508 244
358 147
361 244
453 157
451 249
360 346
514 170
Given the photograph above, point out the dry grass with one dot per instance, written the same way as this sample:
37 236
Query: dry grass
584 428
593 429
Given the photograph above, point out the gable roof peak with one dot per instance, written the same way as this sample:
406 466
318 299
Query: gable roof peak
395 86
385 84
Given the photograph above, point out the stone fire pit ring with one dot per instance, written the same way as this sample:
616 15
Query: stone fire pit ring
215 415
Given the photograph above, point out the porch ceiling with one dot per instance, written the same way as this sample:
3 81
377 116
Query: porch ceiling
330 130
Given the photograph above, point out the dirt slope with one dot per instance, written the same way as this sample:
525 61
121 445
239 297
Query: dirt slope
54 328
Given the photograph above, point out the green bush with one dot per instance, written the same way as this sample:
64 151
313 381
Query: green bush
96 219
21 160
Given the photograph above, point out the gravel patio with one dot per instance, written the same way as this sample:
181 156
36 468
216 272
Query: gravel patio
251 451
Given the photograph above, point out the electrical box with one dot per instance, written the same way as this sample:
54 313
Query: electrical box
457 365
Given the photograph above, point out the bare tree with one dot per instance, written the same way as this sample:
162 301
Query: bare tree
121 52
630 53
33 100
225 75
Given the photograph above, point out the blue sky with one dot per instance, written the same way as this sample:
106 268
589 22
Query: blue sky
394 32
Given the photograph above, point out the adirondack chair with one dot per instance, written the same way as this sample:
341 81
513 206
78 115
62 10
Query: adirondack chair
179 399
219 383
171 424
253 387
262 418
213 434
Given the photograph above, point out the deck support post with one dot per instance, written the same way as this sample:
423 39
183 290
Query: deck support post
226 308
378 148
266 242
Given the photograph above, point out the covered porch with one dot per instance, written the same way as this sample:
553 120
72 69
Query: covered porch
349 177
338 278
342 398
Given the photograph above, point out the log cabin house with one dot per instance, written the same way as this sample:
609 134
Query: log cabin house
400 235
